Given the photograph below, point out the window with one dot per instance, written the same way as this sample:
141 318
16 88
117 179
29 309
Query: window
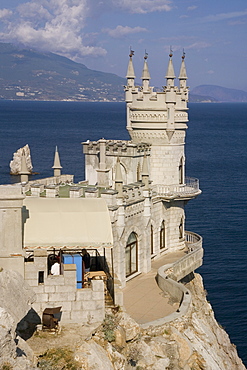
181 171
181 229
131 255
41 277
152 239
162 235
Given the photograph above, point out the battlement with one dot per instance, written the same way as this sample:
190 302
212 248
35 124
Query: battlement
123 148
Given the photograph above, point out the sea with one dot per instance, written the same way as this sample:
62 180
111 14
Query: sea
216 154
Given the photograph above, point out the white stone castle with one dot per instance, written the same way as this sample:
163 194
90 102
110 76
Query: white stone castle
128 211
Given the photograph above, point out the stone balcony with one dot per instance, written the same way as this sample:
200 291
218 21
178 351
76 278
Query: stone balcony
188 190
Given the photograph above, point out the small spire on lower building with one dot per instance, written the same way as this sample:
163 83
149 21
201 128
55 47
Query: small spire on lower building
57 165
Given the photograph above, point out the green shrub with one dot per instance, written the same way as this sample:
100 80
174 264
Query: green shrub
109 326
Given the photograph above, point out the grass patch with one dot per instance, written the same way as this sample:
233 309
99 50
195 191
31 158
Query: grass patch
6 366
58 359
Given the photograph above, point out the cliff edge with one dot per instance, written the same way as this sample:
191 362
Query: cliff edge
195 341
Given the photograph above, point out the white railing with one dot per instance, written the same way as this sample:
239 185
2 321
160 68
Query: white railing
193 240
193 259
191 186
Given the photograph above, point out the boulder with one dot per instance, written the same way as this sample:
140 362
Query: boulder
91 356
16 295
132 329
7 335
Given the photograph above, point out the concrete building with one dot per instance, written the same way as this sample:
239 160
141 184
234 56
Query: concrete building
129 210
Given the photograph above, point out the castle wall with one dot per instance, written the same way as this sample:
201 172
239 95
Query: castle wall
78 305
130 155
11 201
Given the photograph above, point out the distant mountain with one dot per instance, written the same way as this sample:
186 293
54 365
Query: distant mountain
217 93
27 74
193 98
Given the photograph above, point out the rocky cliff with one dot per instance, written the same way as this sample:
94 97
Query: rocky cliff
194 341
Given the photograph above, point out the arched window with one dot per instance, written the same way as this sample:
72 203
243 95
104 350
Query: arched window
152 239
131 250
181 171
181 228
162 236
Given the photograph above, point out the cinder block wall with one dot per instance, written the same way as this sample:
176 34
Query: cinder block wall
85 305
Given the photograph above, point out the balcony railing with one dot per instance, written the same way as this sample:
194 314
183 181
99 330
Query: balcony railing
193 259
189 189
192 240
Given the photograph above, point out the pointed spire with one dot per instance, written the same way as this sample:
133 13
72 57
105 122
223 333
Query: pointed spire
145 75
130 72
57 165
170 75
24 170
183 74
145 72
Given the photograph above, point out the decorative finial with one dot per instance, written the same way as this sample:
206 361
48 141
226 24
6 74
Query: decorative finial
183 56
171 52
146 55
131 53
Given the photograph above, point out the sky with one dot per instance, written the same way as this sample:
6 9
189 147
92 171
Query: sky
100 33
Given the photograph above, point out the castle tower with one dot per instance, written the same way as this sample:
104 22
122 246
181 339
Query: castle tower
159 119
57 165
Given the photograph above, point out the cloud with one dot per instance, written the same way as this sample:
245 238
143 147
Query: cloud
223 16
198 45
237 22
210 72
144 6
193 7
121 31
4 13
52 25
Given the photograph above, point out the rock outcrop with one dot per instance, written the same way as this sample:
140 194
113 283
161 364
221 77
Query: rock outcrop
15 302
194 341
15 164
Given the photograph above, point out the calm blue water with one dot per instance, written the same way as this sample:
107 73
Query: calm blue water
215 153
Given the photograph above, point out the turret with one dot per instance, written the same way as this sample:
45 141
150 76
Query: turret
130 72
24 171
145 75
182 75
57 165
170 75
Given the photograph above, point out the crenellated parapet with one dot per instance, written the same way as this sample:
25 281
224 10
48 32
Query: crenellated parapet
122 148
